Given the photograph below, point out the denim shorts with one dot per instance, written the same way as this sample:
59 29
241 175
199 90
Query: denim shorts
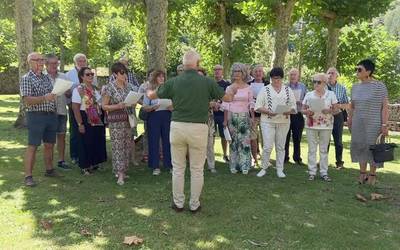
61 124
42 126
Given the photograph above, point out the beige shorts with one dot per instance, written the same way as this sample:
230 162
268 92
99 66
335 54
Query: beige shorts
255 129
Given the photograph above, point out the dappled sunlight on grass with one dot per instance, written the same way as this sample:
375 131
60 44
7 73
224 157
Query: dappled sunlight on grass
212 244
10 145
120 196
54 202
143 211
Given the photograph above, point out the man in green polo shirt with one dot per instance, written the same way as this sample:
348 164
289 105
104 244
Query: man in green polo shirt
190 94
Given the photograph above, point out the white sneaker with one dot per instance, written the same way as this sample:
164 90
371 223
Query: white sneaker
280 174
262 173
156 171
234 171
245 171
213 170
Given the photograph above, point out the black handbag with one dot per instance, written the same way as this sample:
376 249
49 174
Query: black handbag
382 151
143 115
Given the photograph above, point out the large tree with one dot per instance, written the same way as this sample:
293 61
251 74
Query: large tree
156 20
23 26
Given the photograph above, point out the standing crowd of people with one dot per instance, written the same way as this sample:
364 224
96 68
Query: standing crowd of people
182 116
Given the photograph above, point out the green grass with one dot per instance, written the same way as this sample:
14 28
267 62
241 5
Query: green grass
284 214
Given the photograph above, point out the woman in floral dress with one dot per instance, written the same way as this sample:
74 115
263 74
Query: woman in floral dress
238 117
319 125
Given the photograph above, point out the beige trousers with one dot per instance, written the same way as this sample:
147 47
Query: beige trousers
188 137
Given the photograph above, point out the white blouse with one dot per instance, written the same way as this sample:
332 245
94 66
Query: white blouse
269 98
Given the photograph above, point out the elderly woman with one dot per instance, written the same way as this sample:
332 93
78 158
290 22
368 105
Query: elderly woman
367 119
238 117
319 106
88 115
275 102
158 126
121 135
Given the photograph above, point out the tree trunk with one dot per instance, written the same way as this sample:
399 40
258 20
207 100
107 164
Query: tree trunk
23 27
283 22
332 44
62 56
156 33
227 36
83 33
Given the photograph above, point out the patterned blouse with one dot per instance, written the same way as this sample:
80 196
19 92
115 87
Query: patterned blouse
320 120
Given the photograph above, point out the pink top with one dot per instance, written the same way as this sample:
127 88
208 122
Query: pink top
242 102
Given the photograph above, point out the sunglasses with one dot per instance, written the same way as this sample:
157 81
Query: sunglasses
358 69
316 82
89 74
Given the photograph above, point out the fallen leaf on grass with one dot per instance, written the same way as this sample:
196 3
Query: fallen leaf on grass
376 196
46 224
360 197
258 244
254 217
85 232
133 240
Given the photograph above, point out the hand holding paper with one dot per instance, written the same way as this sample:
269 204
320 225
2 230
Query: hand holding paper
280 109
132 98
164 103
61 86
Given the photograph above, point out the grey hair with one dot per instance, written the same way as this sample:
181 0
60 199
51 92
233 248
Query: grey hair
334 69
79 55
243 68
321 76
30 55
190 58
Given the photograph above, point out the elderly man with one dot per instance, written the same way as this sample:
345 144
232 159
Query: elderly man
80 61
179 69
61 107
296 120
191 93
340 118
218 113
41 116
256 85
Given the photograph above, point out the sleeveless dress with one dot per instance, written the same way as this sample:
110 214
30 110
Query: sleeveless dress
367 99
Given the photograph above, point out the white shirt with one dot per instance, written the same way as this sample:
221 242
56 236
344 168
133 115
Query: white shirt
256 87
76 98
271 101
320 120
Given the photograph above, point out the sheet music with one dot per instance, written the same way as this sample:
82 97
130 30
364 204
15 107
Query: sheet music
61 86
132 98
316 105
280 109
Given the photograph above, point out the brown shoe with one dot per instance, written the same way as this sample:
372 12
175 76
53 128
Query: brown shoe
176 208
29 182
198 209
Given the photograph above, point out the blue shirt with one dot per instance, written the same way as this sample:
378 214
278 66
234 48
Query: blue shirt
340 92
298 87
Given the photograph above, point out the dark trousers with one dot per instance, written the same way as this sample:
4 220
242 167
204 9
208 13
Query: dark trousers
295 131
73 134
337 133
158 126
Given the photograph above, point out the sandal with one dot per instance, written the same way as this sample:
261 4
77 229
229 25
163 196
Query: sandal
371 179
362 178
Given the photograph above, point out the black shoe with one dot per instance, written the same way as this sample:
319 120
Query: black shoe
52 173
198 209
226 159
29 182
177 209
63 165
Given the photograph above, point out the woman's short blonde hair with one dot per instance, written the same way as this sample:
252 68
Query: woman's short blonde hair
320 77
243 68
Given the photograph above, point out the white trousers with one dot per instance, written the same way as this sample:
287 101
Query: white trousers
188 137
274 133
318 138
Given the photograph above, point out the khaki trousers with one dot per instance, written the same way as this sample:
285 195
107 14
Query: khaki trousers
188 137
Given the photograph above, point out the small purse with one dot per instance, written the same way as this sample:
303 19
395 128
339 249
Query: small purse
382 151
117 116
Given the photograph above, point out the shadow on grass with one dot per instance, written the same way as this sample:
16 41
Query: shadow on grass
238 210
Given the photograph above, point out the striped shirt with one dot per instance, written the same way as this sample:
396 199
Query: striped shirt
340 92
37 85
299 90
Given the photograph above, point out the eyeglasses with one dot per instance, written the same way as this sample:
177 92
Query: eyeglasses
89 74
38 60
316 82
358 69
237 71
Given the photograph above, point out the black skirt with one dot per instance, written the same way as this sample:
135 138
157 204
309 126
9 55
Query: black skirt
91 144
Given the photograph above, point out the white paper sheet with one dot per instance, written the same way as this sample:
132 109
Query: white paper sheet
132 98
61 86
280 109
316 105
227 134
297 94
164 103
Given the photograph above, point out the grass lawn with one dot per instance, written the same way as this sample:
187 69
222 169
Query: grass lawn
238 212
